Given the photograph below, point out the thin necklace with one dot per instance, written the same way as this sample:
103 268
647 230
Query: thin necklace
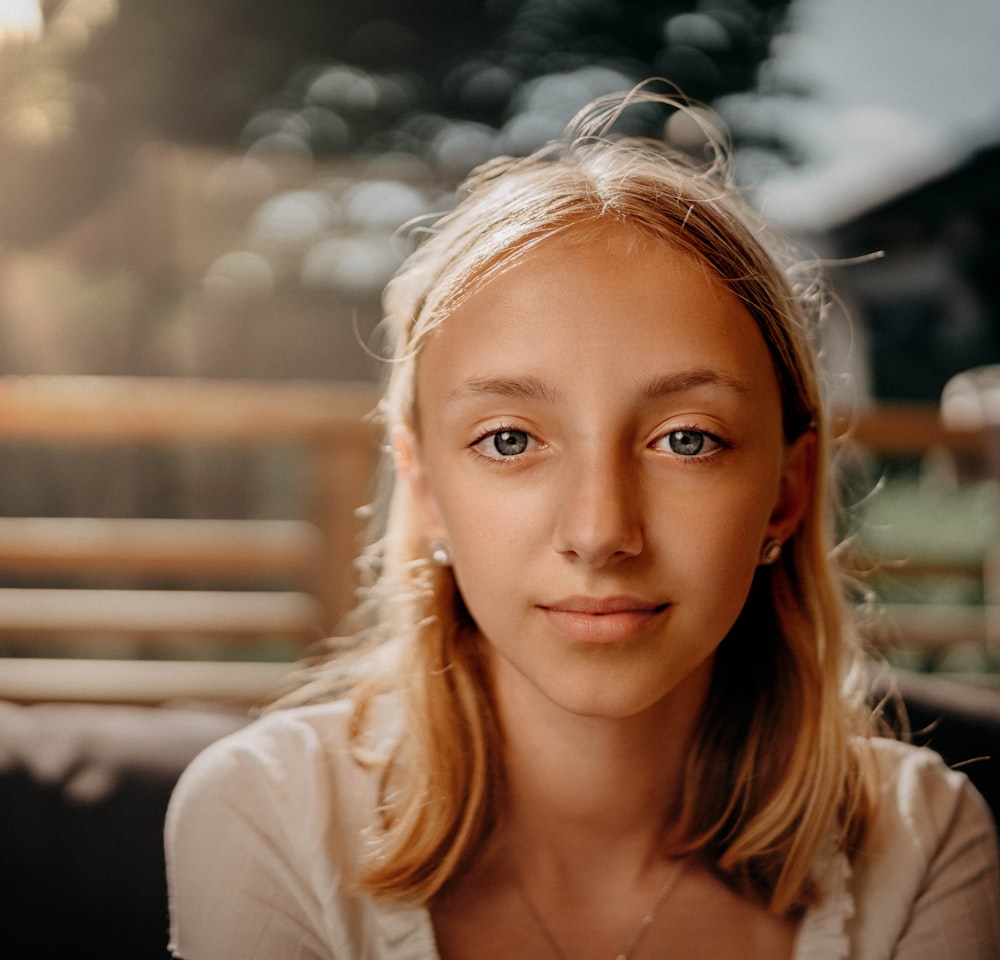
637 937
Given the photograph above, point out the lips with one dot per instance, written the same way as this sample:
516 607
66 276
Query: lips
603 619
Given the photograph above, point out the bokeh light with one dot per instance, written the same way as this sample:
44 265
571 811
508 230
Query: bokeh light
20 21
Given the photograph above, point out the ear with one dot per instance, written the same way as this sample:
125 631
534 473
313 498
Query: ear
410 470
797 480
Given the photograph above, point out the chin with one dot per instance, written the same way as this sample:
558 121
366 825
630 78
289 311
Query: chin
620 702
679 692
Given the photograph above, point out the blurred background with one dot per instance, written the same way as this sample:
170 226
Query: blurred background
212 190
199 205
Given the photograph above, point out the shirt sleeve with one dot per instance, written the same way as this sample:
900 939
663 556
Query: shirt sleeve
925 884
956 914
246 835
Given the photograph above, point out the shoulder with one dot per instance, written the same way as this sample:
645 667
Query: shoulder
920 802
264 833
930 849
921 805
300 762
915 784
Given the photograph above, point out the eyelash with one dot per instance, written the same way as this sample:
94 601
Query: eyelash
719 442
496 431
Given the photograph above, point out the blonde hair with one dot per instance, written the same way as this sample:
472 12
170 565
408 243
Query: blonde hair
777 762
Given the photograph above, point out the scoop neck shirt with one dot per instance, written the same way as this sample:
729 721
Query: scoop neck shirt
266 827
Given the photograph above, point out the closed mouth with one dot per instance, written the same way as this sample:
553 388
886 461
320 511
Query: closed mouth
604 606
605 620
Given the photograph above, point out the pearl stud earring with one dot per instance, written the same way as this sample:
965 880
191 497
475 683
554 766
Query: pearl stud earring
440 553
771 552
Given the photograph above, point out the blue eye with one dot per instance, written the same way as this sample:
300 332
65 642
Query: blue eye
689 442
504 444
509 443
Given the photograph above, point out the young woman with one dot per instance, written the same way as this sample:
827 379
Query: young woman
608 702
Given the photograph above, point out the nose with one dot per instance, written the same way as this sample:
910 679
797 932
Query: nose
598 519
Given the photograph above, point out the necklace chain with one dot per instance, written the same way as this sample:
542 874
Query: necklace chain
637 937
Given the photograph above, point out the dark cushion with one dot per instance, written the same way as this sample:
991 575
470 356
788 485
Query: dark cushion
83 794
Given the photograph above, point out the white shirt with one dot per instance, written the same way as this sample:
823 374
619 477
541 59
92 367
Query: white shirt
267 825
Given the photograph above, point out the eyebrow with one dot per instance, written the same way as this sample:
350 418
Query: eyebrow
533 388
657 387
514 388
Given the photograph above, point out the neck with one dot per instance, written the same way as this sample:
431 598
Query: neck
581 787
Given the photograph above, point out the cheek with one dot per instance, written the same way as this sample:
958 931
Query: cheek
489 534
483 511
489 571
497 539
713 534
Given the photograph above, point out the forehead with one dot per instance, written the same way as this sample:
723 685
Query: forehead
595 306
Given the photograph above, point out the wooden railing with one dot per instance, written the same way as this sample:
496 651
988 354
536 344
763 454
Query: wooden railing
906 429
316 553
912 431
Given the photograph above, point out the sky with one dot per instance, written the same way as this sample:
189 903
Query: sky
900 91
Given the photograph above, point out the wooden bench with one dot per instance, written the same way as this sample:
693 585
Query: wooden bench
324 421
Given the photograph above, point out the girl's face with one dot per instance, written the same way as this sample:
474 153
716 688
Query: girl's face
600 441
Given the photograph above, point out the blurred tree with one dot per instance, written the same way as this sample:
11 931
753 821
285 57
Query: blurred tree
109 74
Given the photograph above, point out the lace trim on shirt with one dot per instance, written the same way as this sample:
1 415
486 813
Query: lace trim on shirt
823 934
